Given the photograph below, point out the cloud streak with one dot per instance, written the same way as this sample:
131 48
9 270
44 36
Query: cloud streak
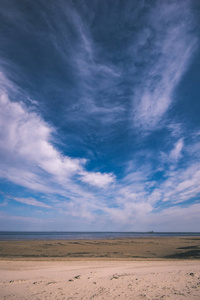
171 46
32 202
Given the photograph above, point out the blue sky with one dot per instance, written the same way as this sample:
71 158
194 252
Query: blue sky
100 115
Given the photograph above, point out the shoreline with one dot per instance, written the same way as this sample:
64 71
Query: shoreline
150 248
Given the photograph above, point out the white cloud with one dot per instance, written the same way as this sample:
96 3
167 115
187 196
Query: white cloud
95 76
181 185
173 46
33 202
173 156
97 179
26 136
175 153
176 129
27 152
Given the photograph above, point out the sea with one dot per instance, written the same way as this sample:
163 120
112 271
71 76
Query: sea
59 235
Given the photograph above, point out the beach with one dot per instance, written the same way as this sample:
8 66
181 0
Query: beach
147 268
100 280
124 248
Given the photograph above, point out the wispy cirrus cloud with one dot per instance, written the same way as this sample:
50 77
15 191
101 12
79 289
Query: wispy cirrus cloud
182 184
166 51
33 202
102 87
175 153
95 79
173 156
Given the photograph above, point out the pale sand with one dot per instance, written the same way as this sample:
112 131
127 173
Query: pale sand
100 279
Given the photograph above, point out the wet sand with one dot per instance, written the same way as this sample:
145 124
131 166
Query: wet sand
130 249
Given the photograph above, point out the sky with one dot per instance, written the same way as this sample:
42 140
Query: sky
100 115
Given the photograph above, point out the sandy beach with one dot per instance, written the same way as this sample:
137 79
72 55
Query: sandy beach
100 280
147 268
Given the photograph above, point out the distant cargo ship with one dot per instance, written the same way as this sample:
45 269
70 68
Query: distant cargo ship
150 231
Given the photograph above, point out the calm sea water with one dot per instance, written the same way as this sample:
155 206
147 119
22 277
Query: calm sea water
10 235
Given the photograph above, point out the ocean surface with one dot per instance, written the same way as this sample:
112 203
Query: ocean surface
54 235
